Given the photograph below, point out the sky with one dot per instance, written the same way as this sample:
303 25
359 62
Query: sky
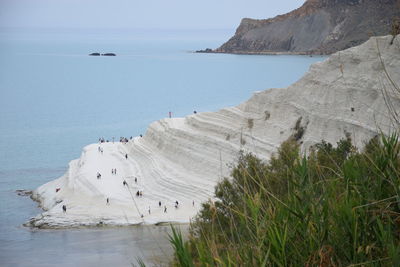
138 14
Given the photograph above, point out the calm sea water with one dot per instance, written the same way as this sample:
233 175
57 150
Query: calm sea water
55 99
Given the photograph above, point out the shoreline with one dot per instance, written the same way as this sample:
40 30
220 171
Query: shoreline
110 200
32 227
31 222
266 53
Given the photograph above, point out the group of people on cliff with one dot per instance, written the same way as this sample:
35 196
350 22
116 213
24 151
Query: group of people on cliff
121 140
139 193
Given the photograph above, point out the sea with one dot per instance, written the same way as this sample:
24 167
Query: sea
55 99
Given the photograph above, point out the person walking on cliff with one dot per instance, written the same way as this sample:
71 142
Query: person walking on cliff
165 209
64 207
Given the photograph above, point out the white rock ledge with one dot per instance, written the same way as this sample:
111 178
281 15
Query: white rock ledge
182 159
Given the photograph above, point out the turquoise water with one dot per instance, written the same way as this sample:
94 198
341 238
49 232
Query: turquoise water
55 99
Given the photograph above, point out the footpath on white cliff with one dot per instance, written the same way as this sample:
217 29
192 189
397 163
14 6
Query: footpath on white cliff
180 160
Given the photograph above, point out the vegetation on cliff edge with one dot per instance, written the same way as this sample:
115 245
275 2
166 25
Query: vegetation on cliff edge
335 207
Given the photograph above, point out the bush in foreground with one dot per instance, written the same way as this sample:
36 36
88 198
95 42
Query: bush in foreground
335 207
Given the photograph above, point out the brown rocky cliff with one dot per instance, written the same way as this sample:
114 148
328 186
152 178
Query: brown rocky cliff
318 26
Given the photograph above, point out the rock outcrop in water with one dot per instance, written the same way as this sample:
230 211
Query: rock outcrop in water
353 92
317 27
105 54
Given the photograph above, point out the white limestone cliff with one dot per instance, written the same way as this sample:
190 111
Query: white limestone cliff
182 159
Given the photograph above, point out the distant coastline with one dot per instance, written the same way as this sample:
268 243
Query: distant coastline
317 27
211 51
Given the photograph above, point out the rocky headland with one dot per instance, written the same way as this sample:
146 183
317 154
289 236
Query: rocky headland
317 27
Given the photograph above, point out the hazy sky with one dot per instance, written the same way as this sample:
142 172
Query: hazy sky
162 14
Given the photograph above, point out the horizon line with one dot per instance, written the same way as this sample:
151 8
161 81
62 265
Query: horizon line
115 28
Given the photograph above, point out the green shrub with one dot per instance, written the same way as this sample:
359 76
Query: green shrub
250 123
335 207
299 130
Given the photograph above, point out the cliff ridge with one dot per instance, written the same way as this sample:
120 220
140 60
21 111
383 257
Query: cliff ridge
317 27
